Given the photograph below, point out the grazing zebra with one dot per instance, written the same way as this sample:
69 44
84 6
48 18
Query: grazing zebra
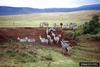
66 47
32 40
73 26
44 24
44 40
22 39
26 39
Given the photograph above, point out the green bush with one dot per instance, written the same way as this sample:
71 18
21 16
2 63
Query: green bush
92 27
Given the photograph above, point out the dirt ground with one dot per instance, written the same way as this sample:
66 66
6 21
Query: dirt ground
12 33
21 32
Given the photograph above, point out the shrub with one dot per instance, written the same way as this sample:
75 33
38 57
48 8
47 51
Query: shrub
92 27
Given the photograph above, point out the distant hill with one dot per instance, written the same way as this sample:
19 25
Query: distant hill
6 10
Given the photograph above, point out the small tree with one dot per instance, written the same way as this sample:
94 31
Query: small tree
92 27
61 24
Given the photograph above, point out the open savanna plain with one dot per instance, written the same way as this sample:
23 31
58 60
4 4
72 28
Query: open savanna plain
86 48
34 20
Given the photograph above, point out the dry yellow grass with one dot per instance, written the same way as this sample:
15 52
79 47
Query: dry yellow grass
33 20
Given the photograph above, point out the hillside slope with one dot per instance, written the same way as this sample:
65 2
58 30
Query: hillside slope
6 10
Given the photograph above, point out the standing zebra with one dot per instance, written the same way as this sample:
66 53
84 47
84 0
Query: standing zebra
66 47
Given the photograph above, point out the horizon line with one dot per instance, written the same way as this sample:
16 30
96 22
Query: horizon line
46 8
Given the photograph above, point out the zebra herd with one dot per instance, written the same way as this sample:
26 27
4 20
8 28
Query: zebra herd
53 38
26 39
65 25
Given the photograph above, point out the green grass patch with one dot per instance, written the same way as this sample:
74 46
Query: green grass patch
41 56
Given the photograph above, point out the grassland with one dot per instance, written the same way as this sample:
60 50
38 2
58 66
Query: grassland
15 54
33 20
